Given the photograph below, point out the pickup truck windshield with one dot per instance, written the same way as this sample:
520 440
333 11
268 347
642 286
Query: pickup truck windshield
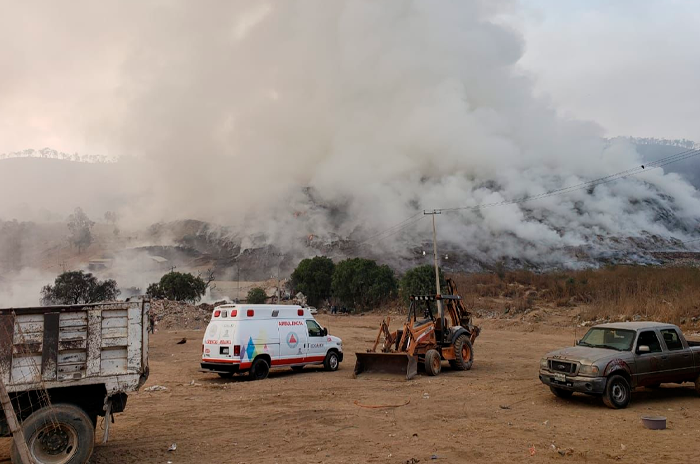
614 339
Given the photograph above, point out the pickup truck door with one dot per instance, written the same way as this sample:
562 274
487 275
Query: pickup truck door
679 366
649 366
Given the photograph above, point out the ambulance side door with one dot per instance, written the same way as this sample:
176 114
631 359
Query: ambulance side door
317 342
292 341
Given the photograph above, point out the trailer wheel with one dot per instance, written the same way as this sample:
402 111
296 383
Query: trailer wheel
617 392
464 354
331 362
58 434
432 362
259 370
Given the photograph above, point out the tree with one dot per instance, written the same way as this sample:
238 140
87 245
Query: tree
313 277
256 295
178 286
80 229
362 283
78 287
421 281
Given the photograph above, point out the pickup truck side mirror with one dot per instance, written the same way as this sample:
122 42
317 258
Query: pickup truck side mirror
643 349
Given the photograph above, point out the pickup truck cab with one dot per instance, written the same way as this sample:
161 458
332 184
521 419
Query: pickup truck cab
613 359
255 338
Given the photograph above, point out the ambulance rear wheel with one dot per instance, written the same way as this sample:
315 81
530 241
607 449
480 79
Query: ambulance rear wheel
331 362
259 369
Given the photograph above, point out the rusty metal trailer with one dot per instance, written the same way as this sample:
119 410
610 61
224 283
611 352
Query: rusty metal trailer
63 366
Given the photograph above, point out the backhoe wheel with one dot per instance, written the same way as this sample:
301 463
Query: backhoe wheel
617 392
58 434
432 362
464 354
259 369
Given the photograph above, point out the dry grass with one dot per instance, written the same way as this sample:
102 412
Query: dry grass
666 294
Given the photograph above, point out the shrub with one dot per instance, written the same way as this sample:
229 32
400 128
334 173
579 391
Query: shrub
313 277
256 295
78 287
361 283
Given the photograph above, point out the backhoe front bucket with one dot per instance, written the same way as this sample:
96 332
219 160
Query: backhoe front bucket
386 363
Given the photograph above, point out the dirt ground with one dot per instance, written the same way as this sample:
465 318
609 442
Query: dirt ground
497 412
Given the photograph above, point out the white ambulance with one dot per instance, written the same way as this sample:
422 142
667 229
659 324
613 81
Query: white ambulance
253 338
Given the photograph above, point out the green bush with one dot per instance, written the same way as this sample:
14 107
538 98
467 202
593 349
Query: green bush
178 286
313 277
256 295
421 281
361 283
78 287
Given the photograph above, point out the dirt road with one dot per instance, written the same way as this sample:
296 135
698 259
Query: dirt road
497 412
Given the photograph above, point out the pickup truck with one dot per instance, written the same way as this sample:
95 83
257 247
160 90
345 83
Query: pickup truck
613 359
62 367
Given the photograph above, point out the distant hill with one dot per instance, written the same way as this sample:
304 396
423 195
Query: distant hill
50 153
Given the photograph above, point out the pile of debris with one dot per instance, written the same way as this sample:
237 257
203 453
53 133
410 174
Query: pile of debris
171 315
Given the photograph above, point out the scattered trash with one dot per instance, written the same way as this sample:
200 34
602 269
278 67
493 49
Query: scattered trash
415 435
654 422
412 461
182 342
503 406
532 450
434 456
426 396
173 447
545 423
380 406
566 452
623 447
156 388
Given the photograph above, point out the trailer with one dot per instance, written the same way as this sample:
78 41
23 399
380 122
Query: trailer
64 366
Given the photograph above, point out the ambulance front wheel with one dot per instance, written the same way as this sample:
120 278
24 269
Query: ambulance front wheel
259 369
332 361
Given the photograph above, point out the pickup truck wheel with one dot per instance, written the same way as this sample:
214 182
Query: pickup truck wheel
58 434
259 370
331 362
617 392
432 362
560 393
464 354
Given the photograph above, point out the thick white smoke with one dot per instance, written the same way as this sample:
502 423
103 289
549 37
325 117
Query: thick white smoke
229 111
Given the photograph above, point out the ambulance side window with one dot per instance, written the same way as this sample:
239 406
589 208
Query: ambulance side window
314 329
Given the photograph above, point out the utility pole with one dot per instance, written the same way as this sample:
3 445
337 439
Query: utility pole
238 277
441 313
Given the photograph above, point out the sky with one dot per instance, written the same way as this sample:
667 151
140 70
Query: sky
629 65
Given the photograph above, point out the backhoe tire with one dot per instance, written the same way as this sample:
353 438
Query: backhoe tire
433 363
560 393
617 392
58 433
259 370
464 354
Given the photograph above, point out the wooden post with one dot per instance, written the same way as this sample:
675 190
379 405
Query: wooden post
13 424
